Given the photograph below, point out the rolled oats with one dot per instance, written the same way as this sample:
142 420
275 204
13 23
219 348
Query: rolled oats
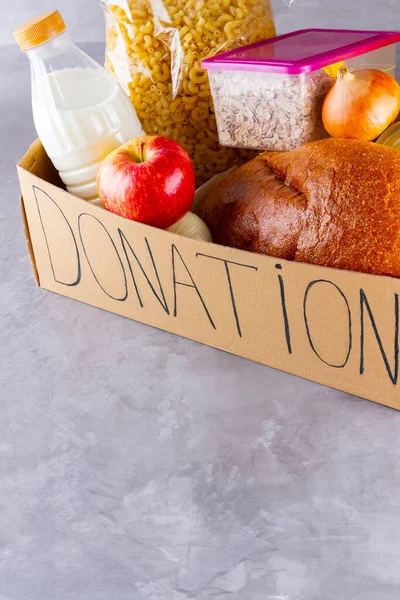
269 111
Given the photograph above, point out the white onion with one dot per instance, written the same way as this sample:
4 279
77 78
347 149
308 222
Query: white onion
191 226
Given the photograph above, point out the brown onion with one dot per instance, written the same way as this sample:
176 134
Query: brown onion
361 104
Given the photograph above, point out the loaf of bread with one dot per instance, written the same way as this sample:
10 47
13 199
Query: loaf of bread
333 202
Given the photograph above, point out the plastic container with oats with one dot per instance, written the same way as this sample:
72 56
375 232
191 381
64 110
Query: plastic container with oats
154 50
269 95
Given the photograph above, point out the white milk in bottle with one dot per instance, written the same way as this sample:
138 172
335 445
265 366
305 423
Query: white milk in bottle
80 112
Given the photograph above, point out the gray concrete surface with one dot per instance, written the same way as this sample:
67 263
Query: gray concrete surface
84 18
138 465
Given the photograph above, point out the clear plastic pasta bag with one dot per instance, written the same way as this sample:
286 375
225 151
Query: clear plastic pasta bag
154 49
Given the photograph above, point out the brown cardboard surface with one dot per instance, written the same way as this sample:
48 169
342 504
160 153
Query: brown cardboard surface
28 240
335 327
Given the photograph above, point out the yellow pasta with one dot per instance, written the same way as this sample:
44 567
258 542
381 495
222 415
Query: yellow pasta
197 77
175 103
162 52
184 31
189 57
224 18
162 87
165 74
147 42
148 100
192 87
139 14
147 27
189 99
196 37
229 29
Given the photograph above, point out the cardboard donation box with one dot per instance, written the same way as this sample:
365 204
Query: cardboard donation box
335 327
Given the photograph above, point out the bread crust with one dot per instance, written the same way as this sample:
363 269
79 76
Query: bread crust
333 202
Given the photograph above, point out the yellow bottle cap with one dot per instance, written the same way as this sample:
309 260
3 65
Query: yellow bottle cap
39 30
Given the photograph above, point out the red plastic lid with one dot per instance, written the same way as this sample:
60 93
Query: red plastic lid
302 51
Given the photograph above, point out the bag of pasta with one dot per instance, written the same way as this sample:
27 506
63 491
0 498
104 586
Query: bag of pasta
154 49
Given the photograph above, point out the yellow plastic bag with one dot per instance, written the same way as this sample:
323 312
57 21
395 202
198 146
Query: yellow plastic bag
154 49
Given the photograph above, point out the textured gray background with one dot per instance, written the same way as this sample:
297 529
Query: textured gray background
138 465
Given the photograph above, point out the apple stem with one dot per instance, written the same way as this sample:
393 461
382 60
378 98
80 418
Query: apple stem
141 150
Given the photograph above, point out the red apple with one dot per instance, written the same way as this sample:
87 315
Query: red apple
149 179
